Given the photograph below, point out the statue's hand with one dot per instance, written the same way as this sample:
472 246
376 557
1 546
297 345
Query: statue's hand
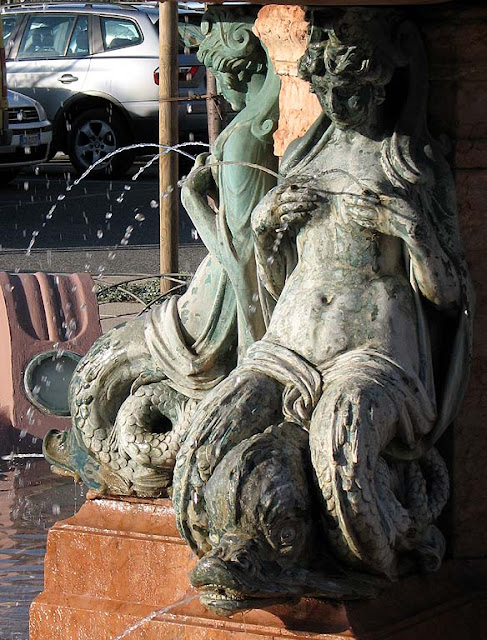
295 204
362 209
200 178
388 215
284 206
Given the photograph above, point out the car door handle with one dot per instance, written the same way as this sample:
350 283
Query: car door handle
66 78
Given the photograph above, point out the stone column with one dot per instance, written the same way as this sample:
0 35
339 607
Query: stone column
283 31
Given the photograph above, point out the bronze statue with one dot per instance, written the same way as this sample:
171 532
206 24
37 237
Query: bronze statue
368 345
134 392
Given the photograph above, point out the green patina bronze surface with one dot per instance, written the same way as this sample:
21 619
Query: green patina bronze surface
134 391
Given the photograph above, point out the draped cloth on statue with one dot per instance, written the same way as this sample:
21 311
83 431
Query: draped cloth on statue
193 368
304 385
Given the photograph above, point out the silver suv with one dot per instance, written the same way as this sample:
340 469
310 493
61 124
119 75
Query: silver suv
31 135
92 68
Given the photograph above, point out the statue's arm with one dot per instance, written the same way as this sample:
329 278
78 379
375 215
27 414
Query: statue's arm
436 275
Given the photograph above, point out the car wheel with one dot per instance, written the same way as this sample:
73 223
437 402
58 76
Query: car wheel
94 135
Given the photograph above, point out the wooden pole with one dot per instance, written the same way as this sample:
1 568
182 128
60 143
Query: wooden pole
168 135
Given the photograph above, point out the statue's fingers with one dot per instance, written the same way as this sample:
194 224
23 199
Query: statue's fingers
295 207
294 217
298 195
201 159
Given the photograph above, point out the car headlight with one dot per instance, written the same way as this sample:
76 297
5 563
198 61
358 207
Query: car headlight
41 111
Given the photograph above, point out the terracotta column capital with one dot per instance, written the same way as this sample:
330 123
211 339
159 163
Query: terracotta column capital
282 29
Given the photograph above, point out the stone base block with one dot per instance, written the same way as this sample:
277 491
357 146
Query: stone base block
116 562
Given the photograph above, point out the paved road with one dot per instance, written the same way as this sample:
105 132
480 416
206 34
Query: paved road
101 226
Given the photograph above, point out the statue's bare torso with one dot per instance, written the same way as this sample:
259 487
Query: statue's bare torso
350 288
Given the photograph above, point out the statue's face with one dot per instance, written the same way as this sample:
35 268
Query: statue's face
232 88
347 104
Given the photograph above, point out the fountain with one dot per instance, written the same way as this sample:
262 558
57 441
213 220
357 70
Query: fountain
279 431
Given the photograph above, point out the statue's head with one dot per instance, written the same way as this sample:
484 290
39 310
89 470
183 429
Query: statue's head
232 51
349 60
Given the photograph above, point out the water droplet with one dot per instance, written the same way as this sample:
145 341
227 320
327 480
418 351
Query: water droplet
56 509
127 187
153 204
61 196
49 214
108 215
99 233
139 217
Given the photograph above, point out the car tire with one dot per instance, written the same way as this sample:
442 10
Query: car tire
96 133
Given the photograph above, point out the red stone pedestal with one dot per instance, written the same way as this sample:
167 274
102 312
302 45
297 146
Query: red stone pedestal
115 562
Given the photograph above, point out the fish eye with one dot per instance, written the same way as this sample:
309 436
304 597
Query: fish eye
287 535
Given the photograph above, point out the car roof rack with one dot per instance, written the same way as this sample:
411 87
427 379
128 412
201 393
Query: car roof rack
187 6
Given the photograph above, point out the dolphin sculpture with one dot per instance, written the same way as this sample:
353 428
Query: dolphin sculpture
264 538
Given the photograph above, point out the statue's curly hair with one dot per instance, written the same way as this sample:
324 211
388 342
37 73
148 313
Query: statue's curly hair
333 50
229 45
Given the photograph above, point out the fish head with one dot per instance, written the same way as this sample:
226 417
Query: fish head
69 456
260 519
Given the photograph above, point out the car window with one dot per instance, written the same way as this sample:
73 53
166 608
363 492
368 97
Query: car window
79 45
46 36
118 33
190 36
9 23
